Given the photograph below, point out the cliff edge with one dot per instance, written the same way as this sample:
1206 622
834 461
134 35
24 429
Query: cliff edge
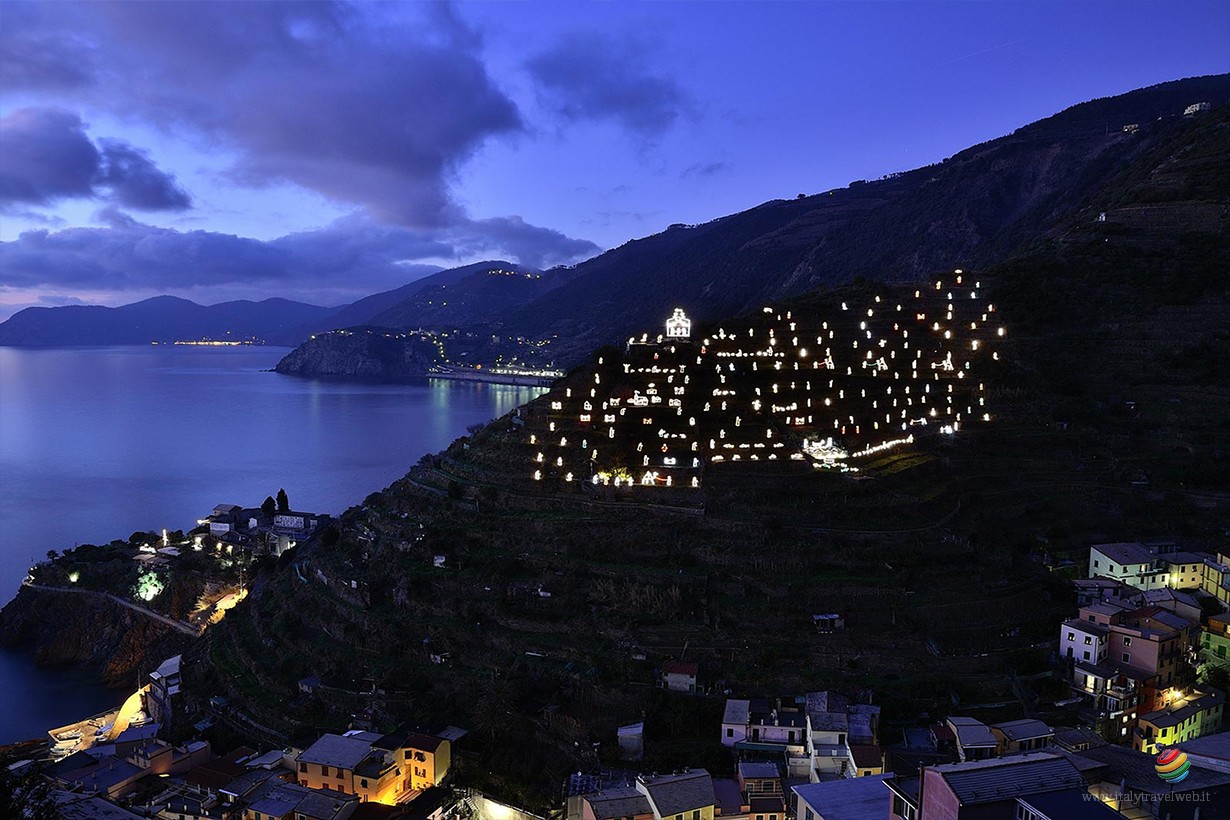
88 630
361 353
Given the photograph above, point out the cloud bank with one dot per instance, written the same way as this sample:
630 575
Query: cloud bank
49 157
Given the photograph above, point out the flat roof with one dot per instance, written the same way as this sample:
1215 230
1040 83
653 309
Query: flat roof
337 750
757 769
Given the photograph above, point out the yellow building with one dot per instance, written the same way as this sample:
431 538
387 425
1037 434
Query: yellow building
376 768
425 760
1185 718
687 795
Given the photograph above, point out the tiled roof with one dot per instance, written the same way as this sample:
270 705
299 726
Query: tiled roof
621 802
987 781
1026 729
971 732
1135 771
677 793
679 668
1126 553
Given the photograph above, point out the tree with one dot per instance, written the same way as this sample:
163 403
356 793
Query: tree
283 501
269 506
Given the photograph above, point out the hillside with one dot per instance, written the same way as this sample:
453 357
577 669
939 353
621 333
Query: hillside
536 612
160 319
397 302
974 209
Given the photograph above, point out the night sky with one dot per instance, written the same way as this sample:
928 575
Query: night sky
324 151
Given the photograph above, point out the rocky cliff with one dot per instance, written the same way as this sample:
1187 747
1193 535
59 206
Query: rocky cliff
361 353
90 631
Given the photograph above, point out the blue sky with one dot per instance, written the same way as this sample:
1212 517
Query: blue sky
323 151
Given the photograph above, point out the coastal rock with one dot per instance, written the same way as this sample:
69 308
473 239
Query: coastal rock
62 628
361 353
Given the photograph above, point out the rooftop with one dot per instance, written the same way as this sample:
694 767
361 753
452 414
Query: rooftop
971 732
619 802
866 756
1117 764
1026 729
853 799
736 711
680 668
337 750
987 781
755 769
676 793
1126 553
1069 804
1175 714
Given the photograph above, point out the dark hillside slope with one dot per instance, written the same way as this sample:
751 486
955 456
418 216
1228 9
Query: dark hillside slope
482 296
1111 420
972 210
366 309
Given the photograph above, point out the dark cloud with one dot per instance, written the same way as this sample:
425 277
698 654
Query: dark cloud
48 157
592 76
136 182
373 105
705 169
353 257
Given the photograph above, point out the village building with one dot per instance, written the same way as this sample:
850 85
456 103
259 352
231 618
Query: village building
679 676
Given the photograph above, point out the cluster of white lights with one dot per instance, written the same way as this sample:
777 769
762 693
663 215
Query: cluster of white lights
892 381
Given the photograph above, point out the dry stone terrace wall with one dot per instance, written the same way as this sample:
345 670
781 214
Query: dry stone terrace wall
822 387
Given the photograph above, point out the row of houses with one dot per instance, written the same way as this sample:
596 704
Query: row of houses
1132 653
1042 775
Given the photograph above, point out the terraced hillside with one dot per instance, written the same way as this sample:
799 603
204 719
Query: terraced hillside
536 614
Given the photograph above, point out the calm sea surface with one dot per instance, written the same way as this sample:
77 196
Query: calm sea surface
96 443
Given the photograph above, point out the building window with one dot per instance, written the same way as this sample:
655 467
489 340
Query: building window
1088 640
730 733
696 814
808 815
1127 641
1071 636
363 783
1095 563
1086 654
303 767
1126 657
